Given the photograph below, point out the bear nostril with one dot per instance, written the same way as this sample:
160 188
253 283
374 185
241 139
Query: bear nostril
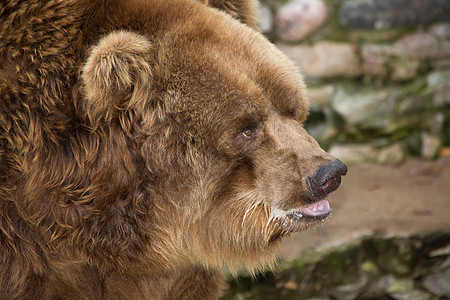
327 178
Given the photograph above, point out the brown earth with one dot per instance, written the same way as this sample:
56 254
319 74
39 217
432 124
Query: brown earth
401 199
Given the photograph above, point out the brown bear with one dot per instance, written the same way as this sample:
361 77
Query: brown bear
146 146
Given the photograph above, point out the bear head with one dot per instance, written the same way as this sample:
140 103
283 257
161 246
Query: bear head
192 149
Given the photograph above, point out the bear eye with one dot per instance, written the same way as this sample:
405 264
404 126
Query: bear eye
248 139
248 133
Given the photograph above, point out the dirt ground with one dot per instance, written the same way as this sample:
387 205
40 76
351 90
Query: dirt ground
409 197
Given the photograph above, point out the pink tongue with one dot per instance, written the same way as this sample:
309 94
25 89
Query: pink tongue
319 208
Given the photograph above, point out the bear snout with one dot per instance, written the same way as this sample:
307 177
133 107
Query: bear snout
326 178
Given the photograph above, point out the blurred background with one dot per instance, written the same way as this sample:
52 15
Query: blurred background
378 76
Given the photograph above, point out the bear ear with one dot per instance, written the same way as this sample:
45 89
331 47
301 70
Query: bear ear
243 10
117 74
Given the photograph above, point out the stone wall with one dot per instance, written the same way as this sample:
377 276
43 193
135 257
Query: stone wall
378 72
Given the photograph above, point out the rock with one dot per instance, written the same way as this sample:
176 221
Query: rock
402 113
404 69
358 153
430 145
380 14
350 290
420 45
320 96
438 283
375 59
401 60
265 23
439 83
400 285
298 18
388 109
414 294
353 153
366 108
384 60
437 79
444 251
441 30
324 59
391 154
377 288
323 132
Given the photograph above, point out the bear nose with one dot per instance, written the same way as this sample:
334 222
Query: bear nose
326 178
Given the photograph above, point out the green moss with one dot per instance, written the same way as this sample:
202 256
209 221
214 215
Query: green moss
369 266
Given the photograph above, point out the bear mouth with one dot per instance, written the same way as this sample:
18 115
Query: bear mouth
315 212
296 220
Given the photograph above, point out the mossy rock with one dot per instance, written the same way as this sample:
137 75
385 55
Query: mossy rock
351 271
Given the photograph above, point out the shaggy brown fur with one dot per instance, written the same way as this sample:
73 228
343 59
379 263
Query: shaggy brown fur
145 145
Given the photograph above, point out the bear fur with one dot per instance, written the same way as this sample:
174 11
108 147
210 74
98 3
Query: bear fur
145 147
